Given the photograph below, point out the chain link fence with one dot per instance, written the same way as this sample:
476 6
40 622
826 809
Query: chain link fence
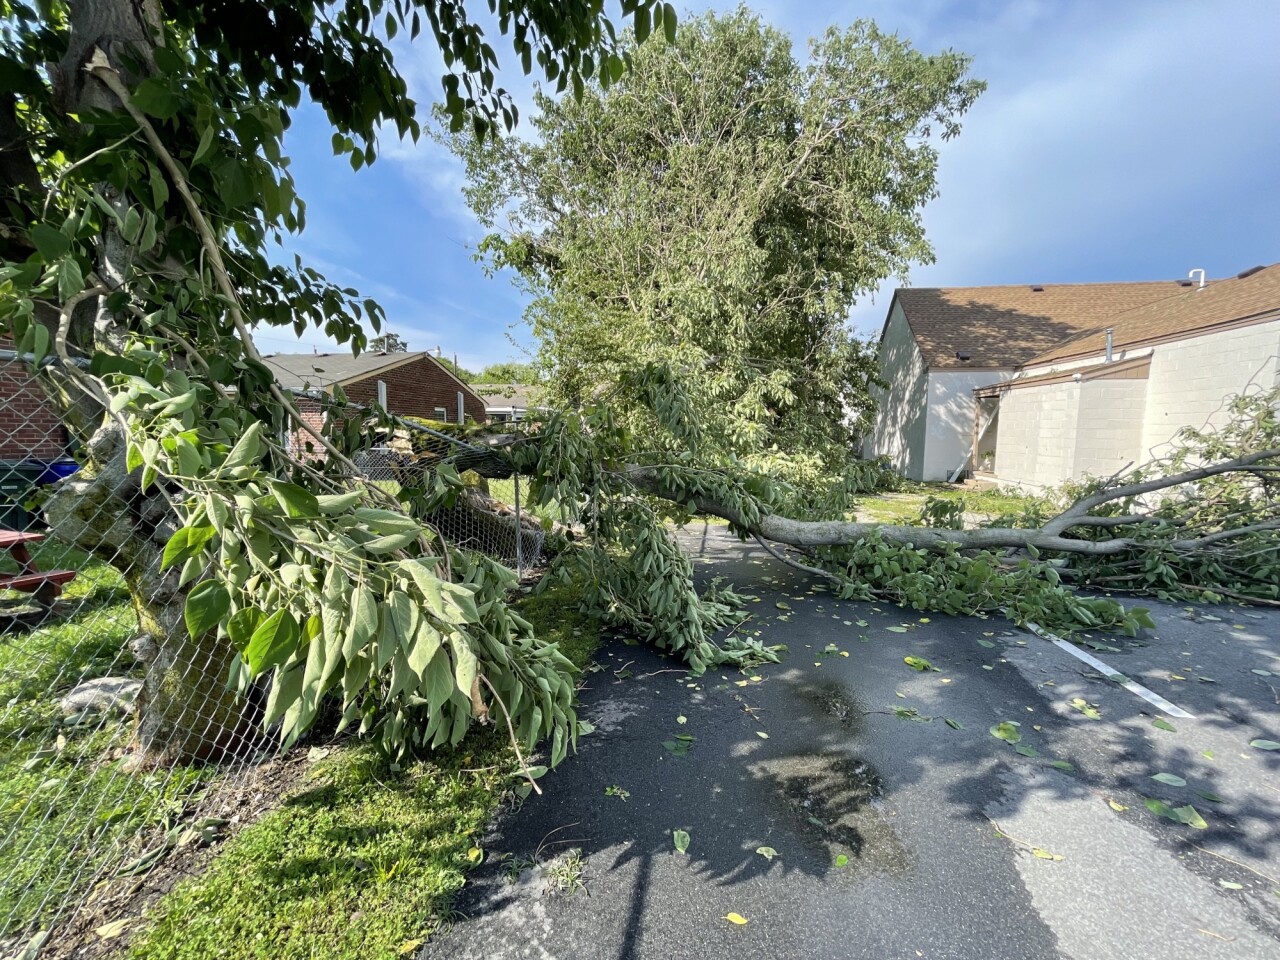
88 834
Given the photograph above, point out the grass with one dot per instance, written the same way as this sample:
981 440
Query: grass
904 506
66 807
364 861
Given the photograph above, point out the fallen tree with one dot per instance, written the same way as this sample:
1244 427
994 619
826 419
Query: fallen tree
145 181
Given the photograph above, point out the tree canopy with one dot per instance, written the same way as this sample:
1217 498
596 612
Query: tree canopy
717 211
694 236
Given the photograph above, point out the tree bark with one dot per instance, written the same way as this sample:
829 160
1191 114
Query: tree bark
1052 536
186 710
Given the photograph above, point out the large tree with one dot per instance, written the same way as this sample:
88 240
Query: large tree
717 211
144 183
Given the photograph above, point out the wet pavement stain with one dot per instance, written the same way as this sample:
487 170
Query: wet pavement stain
833 701
835 800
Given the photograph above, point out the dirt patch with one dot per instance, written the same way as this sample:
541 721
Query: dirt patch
117 904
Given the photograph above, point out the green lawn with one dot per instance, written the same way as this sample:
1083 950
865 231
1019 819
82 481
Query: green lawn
904 506
362 862
66 807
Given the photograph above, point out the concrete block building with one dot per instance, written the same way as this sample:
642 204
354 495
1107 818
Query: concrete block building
1034 385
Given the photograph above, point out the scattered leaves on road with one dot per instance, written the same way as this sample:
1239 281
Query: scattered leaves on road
1090 710
1007 731
1164 725
1187 815
920 664
1171 779
737 918
842 860
1264 744
681 839
767 852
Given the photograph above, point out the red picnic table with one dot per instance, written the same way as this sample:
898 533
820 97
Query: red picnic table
44 586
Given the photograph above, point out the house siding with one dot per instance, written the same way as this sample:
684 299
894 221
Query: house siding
902 410
949 435
416 389
1191 378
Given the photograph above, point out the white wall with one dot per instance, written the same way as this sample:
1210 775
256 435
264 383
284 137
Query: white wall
949 431
901 414
1037 442
1109 427
1191 378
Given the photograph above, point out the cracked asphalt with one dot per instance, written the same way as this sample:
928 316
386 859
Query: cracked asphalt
895 825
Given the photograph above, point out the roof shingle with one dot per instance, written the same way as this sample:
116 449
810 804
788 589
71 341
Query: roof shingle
1187 311
1008 326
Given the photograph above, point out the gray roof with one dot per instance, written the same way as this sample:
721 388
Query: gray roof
521 396
313 371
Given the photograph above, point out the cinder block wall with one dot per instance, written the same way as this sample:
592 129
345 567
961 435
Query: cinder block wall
1191 378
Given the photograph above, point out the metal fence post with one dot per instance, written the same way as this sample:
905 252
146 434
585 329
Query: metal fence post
519 529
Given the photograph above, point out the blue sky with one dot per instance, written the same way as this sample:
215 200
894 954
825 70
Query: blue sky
1116 141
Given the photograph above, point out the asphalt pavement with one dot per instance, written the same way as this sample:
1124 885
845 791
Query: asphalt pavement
845 804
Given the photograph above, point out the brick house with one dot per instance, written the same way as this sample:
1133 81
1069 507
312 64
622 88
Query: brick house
1037 384
30 428
407 384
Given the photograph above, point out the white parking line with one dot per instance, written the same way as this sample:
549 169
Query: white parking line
1152 698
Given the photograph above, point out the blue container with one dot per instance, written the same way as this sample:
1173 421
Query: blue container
57 470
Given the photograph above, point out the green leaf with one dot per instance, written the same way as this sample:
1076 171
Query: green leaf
50 242
669 22
464 663
767 852
177 549
842 860
1171 779
1264 744
1007 731
1027 751
207 604
247 449
920 663
1090 710
273 642
896 629
953 724
70 279
1163 724
681 840
1063 765
1191 817
205 145
363 625
241 626
437 682
643 23
295 501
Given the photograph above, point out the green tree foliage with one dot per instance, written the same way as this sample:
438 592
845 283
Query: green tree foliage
144 184
389 343
717 211
509 371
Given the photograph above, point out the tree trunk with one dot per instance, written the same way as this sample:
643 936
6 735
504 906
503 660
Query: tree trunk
186 710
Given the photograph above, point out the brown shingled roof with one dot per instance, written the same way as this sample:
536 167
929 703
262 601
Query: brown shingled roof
1223 302
1008 326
